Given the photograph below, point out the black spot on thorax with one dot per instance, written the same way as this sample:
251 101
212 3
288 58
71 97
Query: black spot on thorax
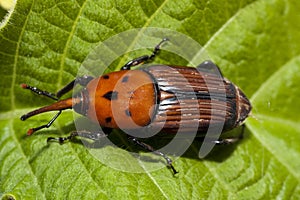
125 79
128 113
111 95
108 119
105 77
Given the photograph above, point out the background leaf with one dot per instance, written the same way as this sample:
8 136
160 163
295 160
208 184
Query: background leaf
256 45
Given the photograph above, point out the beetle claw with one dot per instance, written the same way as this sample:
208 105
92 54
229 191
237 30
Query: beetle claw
173 169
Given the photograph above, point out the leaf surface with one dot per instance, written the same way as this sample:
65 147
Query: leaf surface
255 43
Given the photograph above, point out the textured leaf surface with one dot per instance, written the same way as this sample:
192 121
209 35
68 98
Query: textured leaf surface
255 43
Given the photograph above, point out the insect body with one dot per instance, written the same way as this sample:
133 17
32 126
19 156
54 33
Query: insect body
155 96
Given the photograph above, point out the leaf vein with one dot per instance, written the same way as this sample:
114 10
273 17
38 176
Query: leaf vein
144 27
82 163
286 165
69 39
23 155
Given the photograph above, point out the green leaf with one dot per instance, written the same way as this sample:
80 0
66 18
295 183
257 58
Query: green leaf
256 45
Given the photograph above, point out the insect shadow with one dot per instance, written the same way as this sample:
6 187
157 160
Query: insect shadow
218 154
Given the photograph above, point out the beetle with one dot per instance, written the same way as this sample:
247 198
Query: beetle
154 96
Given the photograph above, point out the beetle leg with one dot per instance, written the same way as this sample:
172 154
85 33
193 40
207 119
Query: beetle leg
150 148
209 66
32 130
231 140
83 134
144 58
226 141
83 81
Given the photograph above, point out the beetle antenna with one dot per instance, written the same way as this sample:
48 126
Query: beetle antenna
60 105
32 130
39 92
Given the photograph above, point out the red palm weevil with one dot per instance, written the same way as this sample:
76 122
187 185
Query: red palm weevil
151 99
